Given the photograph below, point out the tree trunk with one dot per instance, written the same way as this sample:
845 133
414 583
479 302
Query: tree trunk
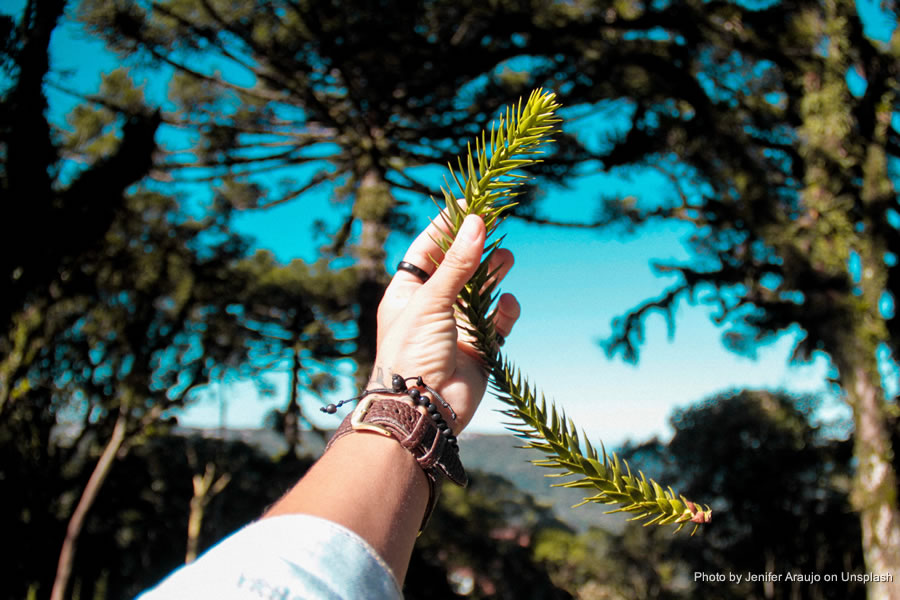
875 486
204 490
291 425
768 586
374 205
88 496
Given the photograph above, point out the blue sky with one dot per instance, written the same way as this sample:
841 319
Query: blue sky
571 284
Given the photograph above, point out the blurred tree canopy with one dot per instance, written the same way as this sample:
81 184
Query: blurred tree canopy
325 92
121 302
783 489
786 170
799 521
780 490
121 298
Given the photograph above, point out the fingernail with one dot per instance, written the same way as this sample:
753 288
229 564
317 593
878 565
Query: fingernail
468 232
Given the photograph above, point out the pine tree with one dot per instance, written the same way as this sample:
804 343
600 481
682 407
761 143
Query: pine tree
784 170
322 92
781 166
294 310
120 303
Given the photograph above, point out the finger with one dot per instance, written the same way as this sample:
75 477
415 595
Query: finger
460 263
424 252
501 262
506 314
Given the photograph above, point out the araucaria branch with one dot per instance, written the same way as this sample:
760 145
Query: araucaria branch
488 182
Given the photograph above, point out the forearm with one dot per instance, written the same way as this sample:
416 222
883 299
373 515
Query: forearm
371 485
367 483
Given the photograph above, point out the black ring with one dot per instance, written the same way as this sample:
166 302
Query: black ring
413 270
500 340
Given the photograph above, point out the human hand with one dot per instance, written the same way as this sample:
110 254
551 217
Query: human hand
418 334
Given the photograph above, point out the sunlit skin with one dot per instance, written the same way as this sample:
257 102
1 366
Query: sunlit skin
367 482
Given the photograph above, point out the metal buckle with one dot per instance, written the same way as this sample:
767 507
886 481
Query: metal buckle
359 413
362 409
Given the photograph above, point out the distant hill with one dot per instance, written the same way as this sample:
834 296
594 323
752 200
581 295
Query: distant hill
498 454
268 441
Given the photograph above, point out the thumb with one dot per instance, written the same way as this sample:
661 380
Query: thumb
460 262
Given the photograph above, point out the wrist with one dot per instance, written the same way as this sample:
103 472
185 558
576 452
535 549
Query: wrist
409 416
415 424
416 390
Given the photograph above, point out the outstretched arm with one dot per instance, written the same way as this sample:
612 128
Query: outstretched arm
367 482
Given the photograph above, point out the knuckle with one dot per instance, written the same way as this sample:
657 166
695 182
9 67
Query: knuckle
456 261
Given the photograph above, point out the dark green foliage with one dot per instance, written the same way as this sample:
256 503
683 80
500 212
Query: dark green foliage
780 489
33 494
137 530
481 539
639 563
154 320
784 171
781 169
121 301
50 222
367 86
785 488
325 94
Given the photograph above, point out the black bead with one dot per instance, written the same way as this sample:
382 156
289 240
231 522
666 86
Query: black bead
330 409
414 394
447 433
398 384
443 426
437 418
431 408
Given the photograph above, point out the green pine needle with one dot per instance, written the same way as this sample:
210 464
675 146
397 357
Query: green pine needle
488 181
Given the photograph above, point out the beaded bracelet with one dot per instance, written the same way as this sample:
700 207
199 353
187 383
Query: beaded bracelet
399 387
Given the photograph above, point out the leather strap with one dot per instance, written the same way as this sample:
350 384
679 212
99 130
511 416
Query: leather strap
415 430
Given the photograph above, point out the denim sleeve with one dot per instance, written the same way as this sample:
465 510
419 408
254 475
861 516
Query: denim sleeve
284 558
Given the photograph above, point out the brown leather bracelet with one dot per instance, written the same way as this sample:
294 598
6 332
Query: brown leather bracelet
414 428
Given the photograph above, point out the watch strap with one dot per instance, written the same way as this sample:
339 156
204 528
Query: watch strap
416 431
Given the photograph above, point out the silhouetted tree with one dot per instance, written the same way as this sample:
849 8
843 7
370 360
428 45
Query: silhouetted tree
480 538
782 167
50 221
323 92
121 303
780 490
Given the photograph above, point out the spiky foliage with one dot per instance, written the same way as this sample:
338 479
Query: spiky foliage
488 182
